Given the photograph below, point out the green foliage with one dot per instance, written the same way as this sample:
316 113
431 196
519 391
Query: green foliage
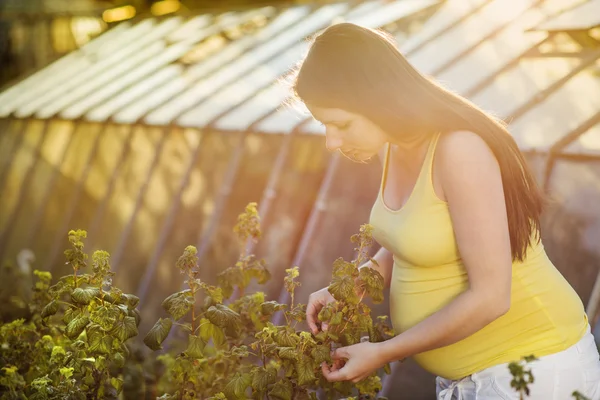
75 343
233 349
523 377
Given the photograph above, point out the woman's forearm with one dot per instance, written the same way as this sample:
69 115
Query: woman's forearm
465 315
385 262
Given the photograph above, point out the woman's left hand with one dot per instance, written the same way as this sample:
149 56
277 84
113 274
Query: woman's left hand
361 360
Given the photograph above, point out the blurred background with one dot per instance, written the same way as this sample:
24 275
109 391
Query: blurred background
151 124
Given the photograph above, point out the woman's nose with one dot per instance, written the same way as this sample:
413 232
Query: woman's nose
333 143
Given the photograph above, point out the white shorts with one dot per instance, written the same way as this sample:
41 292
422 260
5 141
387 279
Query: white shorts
556 377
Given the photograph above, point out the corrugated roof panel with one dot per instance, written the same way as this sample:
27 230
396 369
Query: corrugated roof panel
285 119
242 65
491 55
99 83
521 83
87 67
38 82
145 49
390 12
181 83
243 89
145 87
365 7
465 35
260 105
583 17
170 55
450 12
191 27
261 77
562 112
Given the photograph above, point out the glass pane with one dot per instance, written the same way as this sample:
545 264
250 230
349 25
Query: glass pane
584 17
465 35
88 66
243 89
285 119
256 107
149 47
118 84
189 28
391 12
446 15
43 80
242 65
567 108
364 8
136 93
518 85
493 54
213 63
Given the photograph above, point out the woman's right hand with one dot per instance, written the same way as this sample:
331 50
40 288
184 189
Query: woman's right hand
316 302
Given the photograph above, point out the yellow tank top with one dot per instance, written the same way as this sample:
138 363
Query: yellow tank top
546 314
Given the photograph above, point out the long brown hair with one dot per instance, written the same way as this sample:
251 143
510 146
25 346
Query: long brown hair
360 70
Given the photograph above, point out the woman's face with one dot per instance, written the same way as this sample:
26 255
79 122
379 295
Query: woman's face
352 134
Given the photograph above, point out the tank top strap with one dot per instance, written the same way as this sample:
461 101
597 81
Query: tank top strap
424 184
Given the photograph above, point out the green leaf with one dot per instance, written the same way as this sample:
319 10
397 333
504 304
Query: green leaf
158 333
305 369
131 300
258 271
76 326
99 342
117 383
136 315
342 288
263 377
178 304
321 353
236 388
223 316
50 309
125 329
210 331
270 307
370 385
105 317
70 314
336 319
285 338
324 314
321 336
195 347
372 282
84 295
66 372
288 353
188 260
58 355
282 390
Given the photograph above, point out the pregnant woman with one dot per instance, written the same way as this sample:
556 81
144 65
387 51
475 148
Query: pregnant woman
458 219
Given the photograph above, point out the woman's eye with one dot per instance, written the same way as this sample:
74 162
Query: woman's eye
344 126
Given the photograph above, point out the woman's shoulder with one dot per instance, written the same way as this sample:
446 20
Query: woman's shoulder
464 160
462 147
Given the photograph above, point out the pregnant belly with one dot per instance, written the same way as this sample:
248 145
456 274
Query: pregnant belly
416 293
